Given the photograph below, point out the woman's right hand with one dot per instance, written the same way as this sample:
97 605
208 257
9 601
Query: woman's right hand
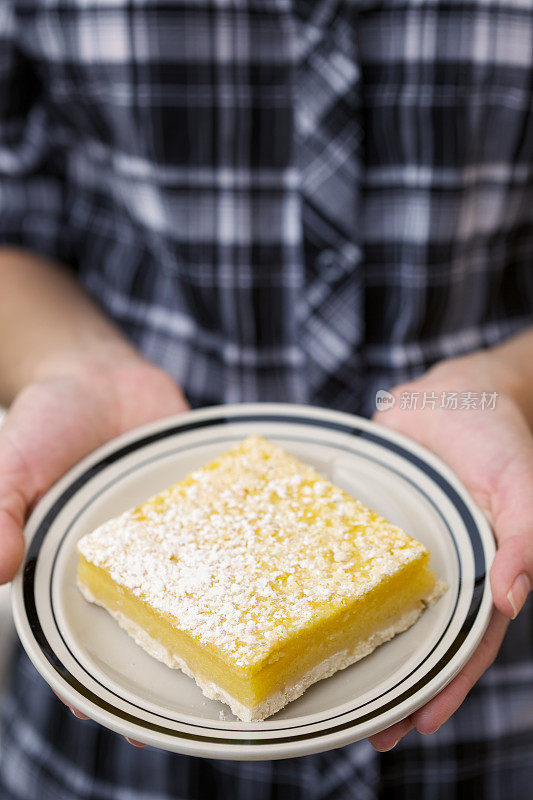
59 419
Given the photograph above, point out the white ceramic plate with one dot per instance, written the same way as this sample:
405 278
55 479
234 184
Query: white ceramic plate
83 654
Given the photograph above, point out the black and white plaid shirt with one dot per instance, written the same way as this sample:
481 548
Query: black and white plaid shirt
279 200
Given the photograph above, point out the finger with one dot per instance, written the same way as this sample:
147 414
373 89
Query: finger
75 711
12 511
430 717
134 742
16 494
389 738
512 509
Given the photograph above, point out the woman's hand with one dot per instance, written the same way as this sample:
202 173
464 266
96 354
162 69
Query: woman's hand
57 420
491 450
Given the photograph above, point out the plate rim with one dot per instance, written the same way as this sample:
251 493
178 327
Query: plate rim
213 416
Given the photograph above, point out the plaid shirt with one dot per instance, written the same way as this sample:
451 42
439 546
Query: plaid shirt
279 200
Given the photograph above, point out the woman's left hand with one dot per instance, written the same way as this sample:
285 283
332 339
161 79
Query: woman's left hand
491 450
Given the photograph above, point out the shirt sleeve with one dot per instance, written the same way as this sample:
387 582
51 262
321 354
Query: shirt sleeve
32 187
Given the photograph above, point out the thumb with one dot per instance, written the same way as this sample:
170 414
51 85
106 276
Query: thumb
17 496
512 511
13 507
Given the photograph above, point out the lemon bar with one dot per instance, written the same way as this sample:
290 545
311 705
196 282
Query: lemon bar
257 577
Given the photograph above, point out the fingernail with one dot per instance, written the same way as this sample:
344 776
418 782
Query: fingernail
518 593
390 747
134 742
78 714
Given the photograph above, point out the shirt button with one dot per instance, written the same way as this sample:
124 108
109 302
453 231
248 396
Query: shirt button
329 265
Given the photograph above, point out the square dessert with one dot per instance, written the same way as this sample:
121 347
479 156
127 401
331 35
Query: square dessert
257 577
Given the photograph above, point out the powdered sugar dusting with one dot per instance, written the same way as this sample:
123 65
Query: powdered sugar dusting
247 551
